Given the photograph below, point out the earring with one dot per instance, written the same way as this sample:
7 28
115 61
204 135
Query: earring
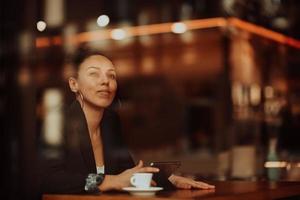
81 98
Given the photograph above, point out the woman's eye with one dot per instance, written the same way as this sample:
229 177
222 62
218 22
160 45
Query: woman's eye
112 76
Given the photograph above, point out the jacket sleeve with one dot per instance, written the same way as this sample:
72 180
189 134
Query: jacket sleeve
55 178
65 173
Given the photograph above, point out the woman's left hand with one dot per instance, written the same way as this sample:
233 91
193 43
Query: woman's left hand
187 183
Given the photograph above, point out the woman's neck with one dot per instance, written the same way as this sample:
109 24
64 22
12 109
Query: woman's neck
93 116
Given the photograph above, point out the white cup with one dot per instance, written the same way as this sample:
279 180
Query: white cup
141 180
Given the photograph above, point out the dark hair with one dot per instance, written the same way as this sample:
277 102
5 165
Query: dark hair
81 54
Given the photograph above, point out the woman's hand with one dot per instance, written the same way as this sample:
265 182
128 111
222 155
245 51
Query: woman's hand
187 183
117 182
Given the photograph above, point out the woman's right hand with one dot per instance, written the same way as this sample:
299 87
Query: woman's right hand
117 182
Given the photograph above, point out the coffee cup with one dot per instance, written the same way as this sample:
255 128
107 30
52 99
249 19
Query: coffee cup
141 180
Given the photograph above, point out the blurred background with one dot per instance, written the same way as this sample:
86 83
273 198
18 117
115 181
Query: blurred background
212 83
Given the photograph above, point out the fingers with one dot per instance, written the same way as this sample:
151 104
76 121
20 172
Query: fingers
184 186
185 183
202 185
140 164
153 183
148 169
139 168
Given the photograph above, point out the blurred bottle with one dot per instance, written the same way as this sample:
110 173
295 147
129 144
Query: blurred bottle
245 131
273 172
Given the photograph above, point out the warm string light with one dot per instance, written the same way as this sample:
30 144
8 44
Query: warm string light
178 28
275 164
118 34
266 33
280 164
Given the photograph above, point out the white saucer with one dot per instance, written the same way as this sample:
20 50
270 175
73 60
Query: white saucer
142 191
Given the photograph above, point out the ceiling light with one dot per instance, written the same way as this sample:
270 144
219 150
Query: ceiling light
41 26
103 20
178 27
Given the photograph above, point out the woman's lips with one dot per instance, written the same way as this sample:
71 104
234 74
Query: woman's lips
103 93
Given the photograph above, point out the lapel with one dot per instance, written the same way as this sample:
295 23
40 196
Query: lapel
109 141
85 144
106 141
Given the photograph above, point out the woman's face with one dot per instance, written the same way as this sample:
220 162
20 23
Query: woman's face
97 81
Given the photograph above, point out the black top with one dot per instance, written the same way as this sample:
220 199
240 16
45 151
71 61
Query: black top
68 174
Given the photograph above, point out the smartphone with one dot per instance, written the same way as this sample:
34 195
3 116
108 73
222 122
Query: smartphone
166 168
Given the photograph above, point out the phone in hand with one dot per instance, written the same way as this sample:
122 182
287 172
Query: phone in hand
166 169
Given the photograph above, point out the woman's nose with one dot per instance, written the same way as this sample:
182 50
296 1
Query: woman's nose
104 80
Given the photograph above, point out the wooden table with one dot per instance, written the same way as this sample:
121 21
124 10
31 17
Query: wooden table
224 190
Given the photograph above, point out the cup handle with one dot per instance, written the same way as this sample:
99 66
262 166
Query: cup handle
132 180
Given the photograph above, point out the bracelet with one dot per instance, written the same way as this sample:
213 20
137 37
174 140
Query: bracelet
93 181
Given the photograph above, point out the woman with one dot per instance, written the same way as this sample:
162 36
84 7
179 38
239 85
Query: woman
96 158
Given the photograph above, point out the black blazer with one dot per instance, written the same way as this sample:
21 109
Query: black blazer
68 174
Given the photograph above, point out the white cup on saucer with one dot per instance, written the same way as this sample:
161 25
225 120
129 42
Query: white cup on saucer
141 180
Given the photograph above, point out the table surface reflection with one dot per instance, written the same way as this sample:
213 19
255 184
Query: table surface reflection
224 190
